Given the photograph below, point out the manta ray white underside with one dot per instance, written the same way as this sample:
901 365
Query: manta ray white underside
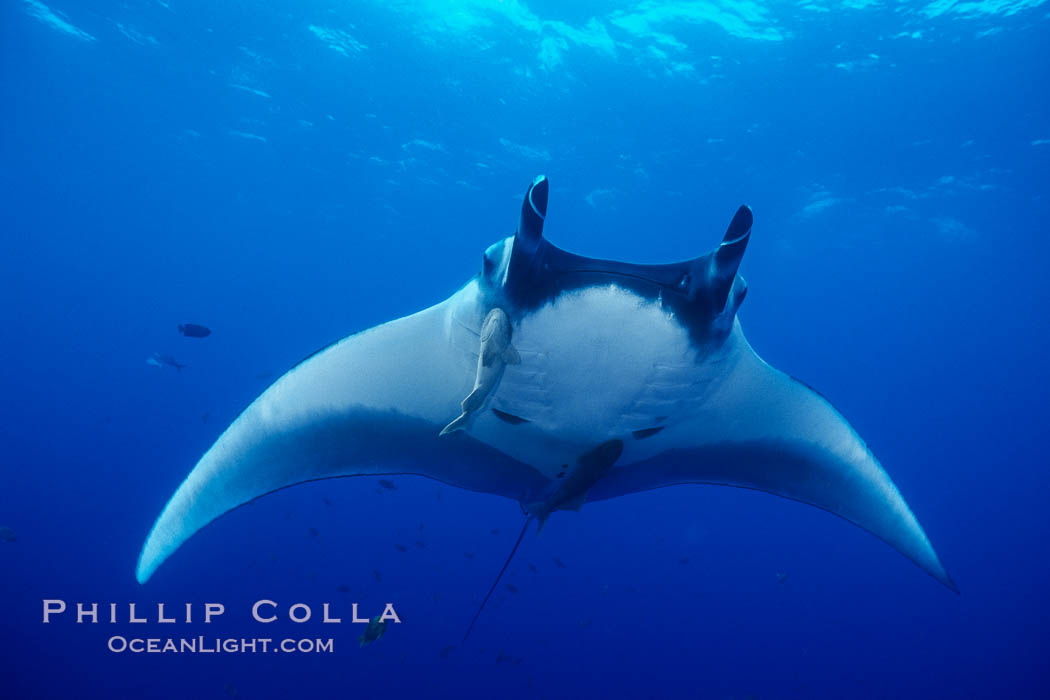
651 358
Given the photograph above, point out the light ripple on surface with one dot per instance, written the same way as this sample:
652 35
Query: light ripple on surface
55 20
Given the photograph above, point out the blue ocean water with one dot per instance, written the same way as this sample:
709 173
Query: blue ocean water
288 173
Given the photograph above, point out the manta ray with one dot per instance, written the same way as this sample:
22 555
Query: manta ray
625 378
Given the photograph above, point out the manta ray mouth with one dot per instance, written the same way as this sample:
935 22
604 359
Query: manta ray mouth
674 280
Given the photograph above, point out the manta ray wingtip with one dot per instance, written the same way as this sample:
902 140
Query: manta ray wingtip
946 580
143 572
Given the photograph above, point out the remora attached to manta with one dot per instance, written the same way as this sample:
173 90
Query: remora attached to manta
631 377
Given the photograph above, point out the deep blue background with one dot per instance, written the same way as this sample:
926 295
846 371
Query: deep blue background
896 160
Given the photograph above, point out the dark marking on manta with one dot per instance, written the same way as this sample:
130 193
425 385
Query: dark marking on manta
509 417
646 432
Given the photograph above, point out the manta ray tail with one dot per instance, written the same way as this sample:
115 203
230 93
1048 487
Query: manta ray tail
521 536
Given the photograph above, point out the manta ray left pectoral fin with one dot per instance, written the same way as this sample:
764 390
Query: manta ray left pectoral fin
770 432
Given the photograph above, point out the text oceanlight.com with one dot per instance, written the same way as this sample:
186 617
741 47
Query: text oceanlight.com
218 645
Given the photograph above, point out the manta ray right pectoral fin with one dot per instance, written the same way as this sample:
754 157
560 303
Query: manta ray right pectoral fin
368 405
